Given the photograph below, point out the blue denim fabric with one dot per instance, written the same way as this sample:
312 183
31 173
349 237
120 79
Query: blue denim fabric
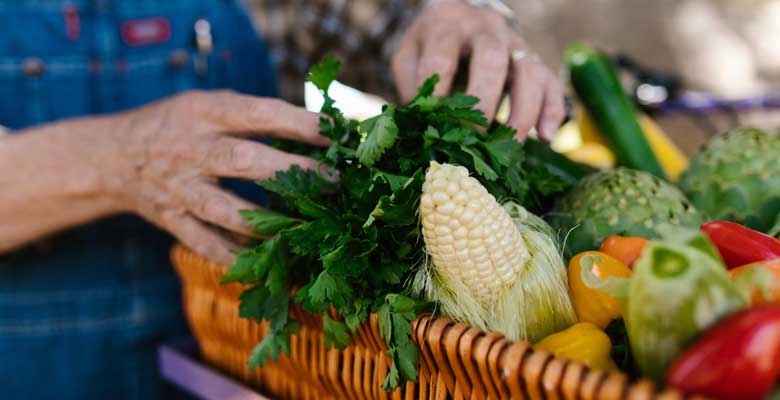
81 313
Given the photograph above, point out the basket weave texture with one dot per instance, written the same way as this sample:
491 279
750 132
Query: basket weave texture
456 361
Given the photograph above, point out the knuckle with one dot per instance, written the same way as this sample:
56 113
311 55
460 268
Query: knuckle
556 88
494 19
216 207
241 157
193 96
494 52
556 113
438 63
264 109
202 246
191 101
440 31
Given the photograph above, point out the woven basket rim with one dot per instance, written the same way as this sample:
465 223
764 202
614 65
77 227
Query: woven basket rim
490 352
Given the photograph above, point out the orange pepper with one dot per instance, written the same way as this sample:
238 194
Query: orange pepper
758 296
625 248
593 305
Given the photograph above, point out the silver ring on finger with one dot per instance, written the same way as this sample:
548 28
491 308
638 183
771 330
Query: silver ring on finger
519 55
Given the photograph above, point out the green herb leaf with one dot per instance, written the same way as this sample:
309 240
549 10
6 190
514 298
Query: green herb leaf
252 304
379 138
267 222
297 182
385 323
324 73
330 289
430 136
480 165
272 257
400 208
336 334
426 89
407 360
243 269
395 181
272 345
458 135
313 236
502 148
311 208
349 259
392 380
460 100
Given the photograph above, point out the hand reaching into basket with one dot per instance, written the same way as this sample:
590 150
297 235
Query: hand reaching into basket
445 31
162 161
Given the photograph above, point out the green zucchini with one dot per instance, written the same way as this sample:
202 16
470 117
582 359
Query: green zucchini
596 83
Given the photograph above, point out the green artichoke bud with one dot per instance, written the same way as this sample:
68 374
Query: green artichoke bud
619 202
736 176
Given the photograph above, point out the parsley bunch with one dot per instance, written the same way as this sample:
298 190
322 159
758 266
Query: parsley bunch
353 244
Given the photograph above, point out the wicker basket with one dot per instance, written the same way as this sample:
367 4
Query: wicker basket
456 361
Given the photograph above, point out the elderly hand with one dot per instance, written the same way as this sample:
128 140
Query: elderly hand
172 153
447 30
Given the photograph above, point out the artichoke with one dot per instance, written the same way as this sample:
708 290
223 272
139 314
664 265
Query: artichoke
736 177
619 202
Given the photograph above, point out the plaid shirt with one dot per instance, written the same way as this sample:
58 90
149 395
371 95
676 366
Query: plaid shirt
361 33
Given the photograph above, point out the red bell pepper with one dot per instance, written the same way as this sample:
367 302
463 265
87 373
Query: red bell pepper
739 245
739 358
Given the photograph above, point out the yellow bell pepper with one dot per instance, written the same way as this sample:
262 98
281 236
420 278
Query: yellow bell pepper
593 305
582 342
593 154
672 159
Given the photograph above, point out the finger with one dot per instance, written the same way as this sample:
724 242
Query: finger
487 72
553 110
260 116
231 157
212 204
404 65
526 96
198 237
440 55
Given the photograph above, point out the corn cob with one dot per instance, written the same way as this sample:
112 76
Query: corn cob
497 271
467 232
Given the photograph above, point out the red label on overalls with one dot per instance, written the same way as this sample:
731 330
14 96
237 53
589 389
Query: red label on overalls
140 32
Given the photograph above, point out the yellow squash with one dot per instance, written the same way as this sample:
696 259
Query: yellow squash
593 305
582 342
672 159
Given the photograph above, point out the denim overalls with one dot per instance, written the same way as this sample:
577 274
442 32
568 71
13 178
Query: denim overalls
81 313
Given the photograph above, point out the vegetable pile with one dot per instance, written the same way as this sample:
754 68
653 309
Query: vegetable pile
428 208
353 244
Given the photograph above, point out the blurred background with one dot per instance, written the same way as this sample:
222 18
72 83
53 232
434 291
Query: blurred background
715 50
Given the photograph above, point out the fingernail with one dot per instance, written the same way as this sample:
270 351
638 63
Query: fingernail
549 130
521 136
330 174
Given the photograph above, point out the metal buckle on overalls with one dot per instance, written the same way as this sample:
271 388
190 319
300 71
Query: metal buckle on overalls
204 43
33 67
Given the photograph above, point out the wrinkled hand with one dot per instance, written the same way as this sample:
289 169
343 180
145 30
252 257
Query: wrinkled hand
172 153
446 31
